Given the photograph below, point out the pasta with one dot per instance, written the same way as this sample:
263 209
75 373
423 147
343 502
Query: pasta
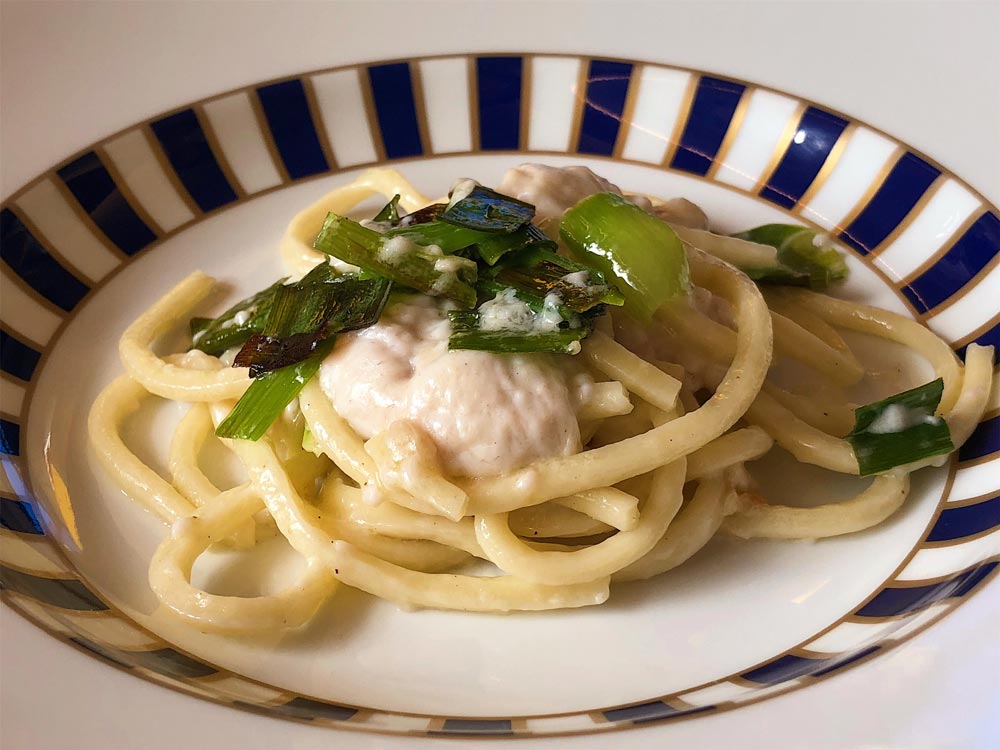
673 411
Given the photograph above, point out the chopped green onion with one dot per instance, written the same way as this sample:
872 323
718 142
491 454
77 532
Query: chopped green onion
398 259
537 272
466 334
304 314
390 211
267 397
489 211
235 325
643 255
801 261
900 429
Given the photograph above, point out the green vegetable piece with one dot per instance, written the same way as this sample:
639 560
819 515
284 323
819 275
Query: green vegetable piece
304 314
267 397
466 334
801 262
489 211
643 255
900 429
392 258
537 272
224 332
390 211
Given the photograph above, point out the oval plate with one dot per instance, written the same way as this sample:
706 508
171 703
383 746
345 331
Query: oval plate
87 245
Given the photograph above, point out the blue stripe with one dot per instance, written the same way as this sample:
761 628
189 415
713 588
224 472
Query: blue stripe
112 656
712 110
834 665
19 516
10 438
607 88
171 663
498 84
290 122
784 668
396 109
984 440
91 184
17 359
901 601
187 149
306 708
65 593
475 726
815 137
989 337
967 257
652 711
903 187
956 523
33 263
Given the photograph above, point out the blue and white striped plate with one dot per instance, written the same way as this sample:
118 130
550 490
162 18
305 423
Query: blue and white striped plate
81 244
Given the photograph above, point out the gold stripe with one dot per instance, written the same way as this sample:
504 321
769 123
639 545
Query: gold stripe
12 276
918 583
784 141
579 105
88 222
628 111
985 497
265 133
827 169
970 337
873 187
11 381
168 169
946 247
731 132
910 217
216 148
965 289
61 259
126 191
420 107
524 121
319 127
687 101
989 457
471 81
364 80
18 336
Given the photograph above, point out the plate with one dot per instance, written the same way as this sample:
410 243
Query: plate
134 212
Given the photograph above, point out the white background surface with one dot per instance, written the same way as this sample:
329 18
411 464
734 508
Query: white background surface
925 72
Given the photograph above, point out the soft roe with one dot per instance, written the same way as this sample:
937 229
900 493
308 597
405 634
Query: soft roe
486 413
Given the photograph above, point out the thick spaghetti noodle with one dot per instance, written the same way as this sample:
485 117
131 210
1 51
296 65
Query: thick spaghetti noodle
667 429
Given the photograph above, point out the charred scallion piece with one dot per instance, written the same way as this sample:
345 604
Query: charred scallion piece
489 211
900 429
215 335
398 259
267 397
305 314
467 333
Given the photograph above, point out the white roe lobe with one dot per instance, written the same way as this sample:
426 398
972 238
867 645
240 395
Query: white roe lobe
486 413
552 190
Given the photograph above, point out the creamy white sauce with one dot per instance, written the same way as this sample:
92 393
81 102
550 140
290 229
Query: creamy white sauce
899 418
486 413
579 279
394 249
